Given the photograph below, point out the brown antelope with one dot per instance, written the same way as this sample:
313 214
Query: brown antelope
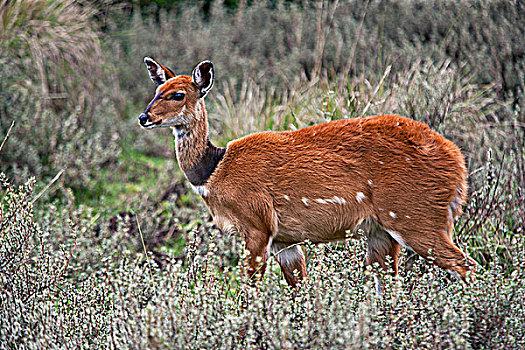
394 178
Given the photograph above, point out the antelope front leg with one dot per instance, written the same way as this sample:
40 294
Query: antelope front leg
257 246
290 258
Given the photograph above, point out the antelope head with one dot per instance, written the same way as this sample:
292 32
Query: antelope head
177 100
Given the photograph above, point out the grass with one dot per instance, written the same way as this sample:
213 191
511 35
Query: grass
134 175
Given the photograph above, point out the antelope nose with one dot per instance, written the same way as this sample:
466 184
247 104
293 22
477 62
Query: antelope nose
143 119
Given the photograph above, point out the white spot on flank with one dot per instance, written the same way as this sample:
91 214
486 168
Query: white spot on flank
360 196
408 158
336 200
286 197
305 201
322 201
398 238
380 162
201 190
341 200
408 217
392 214
369 182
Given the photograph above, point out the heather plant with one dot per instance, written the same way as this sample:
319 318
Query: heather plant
40 307
130 301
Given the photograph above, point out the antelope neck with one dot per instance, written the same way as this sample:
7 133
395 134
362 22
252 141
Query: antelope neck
197 156
199 172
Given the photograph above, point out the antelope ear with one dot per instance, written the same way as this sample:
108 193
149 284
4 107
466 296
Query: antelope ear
203 76
157 72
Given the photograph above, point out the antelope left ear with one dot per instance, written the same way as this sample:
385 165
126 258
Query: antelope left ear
203 76
157 72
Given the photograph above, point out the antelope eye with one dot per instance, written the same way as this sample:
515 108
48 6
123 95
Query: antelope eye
179 96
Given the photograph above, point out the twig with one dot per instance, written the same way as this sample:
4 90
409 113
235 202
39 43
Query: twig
274 255
377 89
7 135
146 253
48 185
476 171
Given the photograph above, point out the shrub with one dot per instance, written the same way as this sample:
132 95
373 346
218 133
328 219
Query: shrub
52 299
53 88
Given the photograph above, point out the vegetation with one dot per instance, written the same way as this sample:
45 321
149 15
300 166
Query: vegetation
102 245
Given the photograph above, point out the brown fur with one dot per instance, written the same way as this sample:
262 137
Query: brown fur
392 176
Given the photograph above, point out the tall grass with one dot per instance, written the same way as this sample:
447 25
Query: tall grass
50 39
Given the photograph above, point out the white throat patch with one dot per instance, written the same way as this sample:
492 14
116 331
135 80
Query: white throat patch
201 190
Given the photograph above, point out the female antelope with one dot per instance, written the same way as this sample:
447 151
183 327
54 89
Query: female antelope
399 181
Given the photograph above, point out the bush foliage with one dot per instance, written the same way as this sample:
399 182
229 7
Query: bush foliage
102 245
122 299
